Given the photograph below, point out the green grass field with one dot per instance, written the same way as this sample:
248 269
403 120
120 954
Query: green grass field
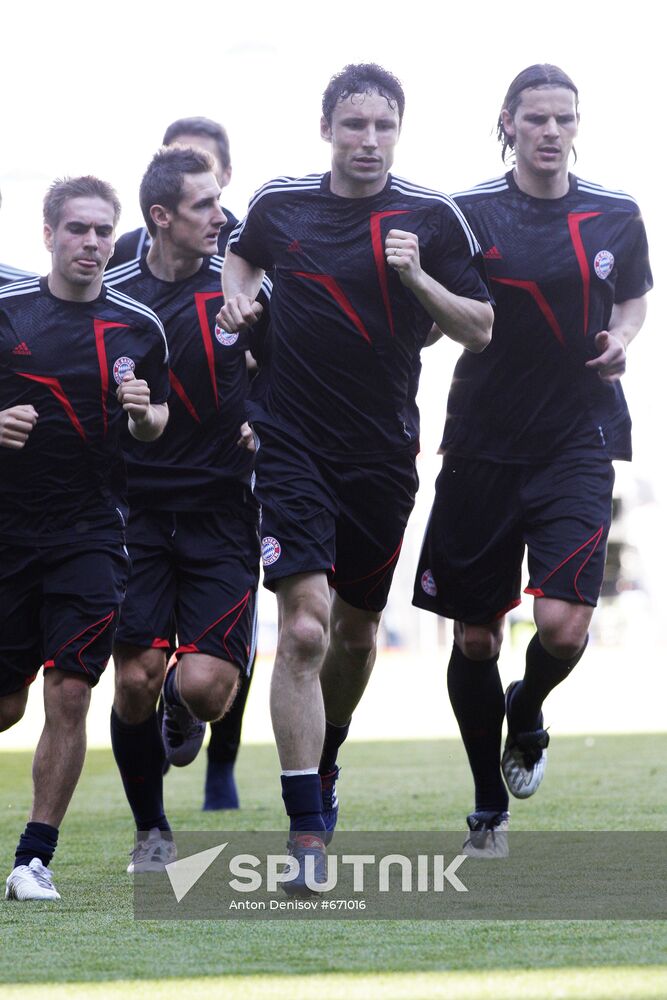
88 945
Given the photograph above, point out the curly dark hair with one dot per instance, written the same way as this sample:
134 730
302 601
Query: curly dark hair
363 78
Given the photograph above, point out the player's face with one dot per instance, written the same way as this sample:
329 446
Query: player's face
209 145
544 128
363 134
195 225
80 247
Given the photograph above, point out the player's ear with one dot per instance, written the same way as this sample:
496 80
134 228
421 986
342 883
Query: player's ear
508 123
161 216
225 176
325 129
48 237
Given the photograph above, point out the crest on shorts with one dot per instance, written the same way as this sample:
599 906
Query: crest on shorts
225 338
428 583
271 550
603 263
121 368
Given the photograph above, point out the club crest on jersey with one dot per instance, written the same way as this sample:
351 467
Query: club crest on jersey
271 550
224 337
121 368
603 264
428 583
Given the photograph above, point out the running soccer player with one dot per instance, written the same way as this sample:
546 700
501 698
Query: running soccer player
202 133
78 361
220 790
365 265
193 532
532 428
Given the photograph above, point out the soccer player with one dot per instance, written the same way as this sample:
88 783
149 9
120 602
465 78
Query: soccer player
202 133
532 428
78 361
192 532
365 265
220 790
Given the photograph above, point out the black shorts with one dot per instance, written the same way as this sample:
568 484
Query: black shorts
485 514
58 607
344 519
194 575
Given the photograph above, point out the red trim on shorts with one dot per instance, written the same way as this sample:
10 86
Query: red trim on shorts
240 607
534 591
158 643
382 570
594 538
512 604
104 622
386 565
189 648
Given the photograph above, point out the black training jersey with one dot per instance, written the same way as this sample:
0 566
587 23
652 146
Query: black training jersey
9 274
345 334
556 267
195 463
137 242
67 484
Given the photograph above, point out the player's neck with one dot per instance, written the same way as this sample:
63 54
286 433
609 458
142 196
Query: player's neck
167 263
542 185
68 292
347 187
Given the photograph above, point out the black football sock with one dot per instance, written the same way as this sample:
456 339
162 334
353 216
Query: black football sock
38 840
170 689
543 673
476 695
334 737
140 758
302 795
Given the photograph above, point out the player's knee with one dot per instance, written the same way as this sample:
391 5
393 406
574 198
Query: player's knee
138 680
12 709
66 699
563 642
304 637
208 687
356 641
477 642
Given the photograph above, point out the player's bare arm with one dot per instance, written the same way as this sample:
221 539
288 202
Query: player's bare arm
627 319
145 420
466 321
241 282
16 423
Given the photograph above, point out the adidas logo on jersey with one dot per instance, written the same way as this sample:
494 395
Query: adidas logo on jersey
294 247
22 349
493 254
